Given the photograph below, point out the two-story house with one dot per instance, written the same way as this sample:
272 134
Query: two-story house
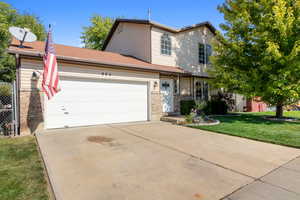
187 48
142 73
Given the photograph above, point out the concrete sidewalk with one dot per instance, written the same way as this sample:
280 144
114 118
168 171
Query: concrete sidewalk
282 183
164 162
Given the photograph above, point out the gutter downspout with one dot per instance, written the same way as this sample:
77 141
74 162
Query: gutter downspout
150 44
18 64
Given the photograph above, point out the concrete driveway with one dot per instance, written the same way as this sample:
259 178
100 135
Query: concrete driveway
160 161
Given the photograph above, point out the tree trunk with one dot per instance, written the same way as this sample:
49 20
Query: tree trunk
279 111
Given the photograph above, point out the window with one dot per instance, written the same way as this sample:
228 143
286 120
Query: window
205 91
205 51
198 92
165 44
201 90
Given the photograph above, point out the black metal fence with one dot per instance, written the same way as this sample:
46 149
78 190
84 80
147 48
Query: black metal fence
8 119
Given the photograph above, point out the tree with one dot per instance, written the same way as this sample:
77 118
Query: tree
94 35
259 53
10 17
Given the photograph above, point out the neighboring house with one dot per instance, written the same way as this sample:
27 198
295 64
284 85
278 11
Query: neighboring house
143 72
256 105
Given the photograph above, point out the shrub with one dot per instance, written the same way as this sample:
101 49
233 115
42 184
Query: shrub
189 118
219 104
186 106
5 90
200 105
216 107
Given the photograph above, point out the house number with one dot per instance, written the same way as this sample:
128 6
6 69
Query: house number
105 74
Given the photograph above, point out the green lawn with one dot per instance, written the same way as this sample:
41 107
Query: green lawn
295 114
21 170
253 126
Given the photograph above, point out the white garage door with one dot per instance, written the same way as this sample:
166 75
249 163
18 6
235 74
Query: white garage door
87 102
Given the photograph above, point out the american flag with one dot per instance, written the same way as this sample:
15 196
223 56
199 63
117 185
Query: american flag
50 82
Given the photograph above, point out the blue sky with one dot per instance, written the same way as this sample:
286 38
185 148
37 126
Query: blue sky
68 17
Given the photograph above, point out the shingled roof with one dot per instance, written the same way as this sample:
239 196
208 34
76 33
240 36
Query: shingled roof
84 55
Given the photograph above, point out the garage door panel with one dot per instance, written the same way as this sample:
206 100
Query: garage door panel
86 106
83 103
100 96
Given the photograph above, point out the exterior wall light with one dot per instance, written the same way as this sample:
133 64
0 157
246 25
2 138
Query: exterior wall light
35 75
155 84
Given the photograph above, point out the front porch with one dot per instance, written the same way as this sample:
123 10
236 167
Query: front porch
177 88
174 89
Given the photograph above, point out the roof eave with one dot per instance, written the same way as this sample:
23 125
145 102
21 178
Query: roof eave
110 34
79 60
207 24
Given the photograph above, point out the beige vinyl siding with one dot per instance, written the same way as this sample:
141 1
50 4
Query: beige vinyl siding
157 57
83 71
188 54
185 52
131 39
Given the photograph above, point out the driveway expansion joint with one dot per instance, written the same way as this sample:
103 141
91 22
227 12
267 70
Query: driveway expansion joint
265 182
280 166
227 197
132 133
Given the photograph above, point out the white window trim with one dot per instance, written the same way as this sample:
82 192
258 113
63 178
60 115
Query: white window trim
161 37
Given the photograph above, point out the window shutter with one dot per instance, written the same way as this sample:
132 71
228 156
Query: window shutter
208 53
201 53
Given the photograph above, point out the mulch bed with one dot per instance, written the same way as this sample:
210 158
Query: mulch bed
283 119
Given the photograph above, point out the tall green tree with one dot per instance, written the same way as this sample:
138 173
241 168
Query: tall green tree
10 17
93 36
259 53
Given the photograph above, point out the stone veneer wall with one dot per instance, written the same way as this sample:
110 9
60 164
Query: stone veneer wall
156 106
31 111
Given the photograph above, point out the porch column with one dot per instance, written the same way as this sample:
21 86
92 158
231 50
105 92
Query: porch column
178 85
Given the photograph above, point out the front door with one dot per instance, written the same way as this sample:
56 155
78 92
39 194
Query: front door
166 88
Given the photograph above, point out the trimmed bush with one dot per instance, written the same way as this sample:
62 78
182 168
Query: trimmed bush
186 106
216 107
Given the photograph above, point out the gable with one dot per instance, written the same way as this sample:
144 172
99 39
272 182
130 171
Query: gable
131 39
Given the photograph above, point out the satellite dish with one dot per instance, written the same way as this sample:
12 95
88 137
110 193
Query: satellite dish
22 34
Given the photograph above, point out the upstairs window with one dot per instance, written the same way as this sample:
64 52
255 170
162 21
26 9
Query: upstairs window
165 44
205 51
201 53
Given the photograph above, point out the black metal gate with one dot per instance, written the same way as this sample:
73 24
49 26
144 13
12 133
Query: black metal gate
8 117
